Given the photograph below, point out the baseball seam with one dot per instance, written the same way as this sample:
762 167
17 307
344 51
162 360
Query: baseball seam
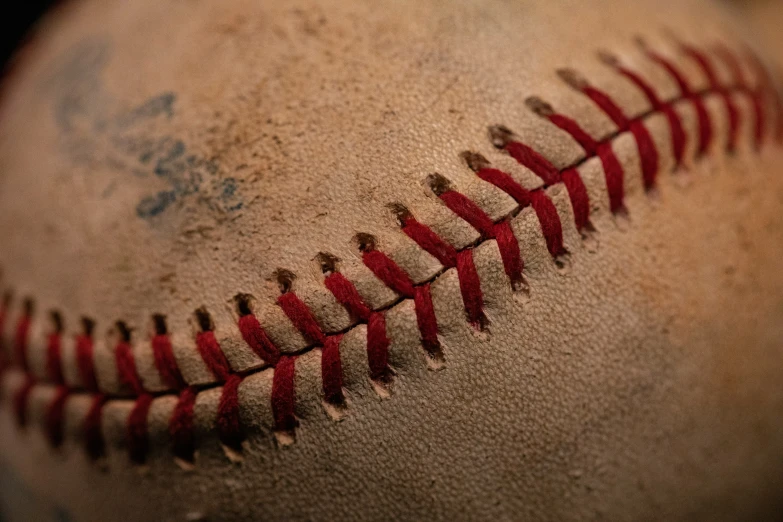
283 394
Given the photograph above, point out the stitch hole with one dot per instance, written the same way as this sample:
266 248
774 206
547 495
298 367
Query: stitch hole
204 320
88 327
539 106
242 302
365 242
474 160
159 324
563 263
500 136
7 297
572 78
401 213
327 263
123 331
285 280
28 307
57 321
438 184
608 58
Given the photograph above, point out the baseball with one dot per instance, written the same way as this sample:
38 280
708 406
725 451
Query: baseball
410 260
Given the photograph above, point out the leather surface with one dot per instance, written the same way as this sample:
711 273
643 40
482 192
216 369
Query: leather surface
638 378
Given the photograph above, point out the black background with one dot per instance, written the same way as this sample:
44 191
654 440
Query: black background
16 21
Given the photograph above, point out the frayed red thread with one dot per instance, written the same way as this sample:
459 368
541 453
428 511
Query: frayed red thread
181 431
426 320
531 159
378 347
85 363
332 370
55 415
229 425
613 173
470 287
20 342
165 362
126 368
299 314
21 400
137 431
93 432
389 272
54 366
255 337
284 394
345 292
577 192
213 356
430 242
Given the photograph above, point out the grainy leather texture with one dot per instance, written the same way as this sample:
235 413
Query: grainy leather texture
162 157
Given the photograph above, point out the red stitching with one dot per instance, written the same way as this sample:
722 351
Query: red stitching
301 317
183 443
126 368
165 362
136 429
389 272
705 123
228 422
212 355
344 291
255 336
20 341
93 435
332 370
54 365
85 364
21 398
55 419
284 394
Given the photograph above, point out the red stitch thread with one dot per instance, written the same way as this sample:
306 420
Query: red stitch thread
332 370
430 242
705 123
576 131
730 59
283 394
732 112
531 159
679 138
93 434
181 425
426 320
764 85
389 272
255 336
613 173
507 184
550 222
212 355
21 398
301 317
85 364
20 341
377 347
470 287
137 430
228 422
345 292
509 251
469 211
126 368
577 192
165 362
54 368
55 417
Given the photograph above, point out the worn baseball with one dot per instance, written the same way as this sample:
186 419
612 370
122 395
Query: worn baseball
411 260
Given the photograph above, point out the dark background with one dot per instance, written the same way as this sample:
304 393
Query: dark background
15 22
